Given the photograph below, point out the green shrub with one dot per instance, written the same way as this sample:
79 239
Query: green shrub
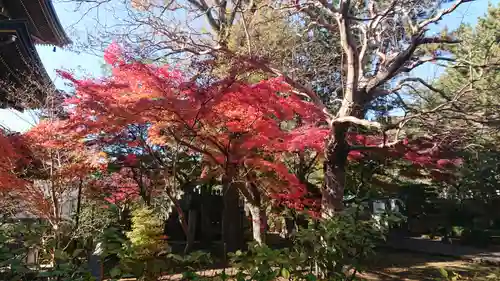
17 238
262 263
332 249
142 253
457 231
146 234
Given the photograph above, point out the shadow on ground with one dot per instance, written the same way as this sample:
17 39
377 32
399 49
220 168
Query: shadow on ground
409 266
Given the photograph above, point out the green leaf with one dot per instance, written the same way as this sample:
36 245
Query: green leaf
311 277
176 257
115 272
240 276
285 273
189 275
77 252
59 254
44 274
443 272
492 276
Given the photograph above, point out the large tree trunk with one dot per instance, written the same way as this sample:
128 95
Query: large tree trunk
336 152
182 216
192 221
78 204
232 230
253 202
259 222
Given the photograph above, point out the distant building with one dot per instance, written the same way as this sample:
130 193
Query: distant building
24 24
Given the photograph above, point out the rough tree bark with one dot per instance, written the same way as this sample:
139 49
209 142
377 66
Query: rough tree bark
334 168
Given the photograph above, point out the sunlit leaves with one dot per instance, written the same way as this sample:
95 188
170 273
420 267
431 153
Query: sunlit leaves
229 122
8 160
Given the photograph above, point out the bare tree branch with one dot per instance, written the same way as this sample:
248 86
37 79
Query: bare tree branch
442 13
358 121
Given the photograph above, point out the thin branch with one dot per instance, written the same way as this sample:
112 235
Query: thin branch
439 40
202 6
421 61
442 13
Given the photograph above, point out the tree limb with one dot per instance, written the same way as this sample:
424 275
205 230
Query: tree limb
442 13
202 6
358 121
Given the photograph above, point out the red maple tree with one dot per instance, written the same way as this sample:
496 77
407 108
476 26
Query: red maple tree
238 128
9 158
41 168
228 122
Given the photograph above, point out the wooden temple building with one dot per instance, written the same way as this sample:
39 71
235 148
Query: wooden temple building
23 25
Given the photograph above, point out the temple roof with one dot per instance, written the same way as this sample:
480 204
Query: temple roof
23 24
20 65
42 21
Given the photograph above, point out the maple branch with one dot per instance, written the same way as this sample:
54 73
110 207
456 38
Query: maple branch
237 6
180 212
302 89
311 163
193 147
245 190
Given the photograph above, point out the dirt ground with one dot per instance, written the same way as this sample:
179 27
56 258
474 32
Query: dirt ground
408 266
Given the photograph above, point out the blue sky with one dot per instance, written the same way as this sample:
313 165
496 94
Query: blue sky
90 64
